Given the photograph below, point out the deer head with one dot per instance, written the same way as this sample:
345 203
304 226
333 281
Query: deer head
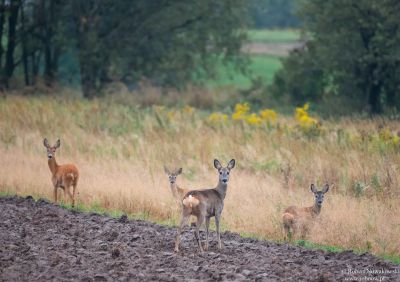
224 171
51 150
319 195
172 175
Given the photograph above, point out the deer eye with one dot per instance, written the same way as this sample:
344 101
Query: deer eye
220 172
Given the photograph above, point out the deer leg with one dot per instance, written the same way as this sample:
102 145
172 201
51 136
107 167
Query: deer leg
290 233
73 194
70 196
184 219
65 194
217 217
304 232
286 231
200 220
55 194
207 229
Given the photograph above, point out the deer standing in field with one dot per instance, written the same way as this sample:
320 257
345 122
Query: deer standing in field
204 204
62 176
177 191
297 219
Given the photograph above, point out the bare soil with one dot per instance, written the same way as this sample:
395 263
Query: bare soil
40 241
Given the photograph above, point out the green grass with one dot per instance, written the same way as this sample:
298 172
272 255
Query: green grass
274 35
311 245
336 249
261 66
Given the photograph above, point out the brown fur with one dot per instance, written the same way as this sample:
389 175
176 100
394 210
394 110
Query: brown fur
297 219
204 204
62 176
181 192
176 191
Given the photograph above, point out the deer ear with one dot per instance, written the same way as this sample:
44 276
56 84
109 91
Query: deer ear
313 188
217 164
166 170
58 144
179 171
46 142
326 188
231 164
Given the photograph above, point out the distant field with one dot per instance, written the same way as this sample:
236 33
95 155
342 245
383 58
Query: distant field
263 66
274 35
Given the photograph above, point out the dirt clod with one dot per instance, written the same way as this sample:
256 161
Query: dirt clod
41 241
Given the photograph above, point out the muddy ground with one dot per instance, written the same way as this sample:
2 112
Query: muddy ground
40 241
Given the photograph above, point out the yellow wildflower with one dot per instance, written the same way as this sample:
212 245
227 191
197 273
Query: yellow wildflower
396 140
253 119
171 115
302 111
385 134
244 108
307 122
217 117
188 110
268 115
241 111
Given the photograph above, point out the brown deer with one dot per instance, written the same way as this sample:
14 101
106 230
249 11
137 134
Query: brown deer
177 191
298 219
63 176
204 204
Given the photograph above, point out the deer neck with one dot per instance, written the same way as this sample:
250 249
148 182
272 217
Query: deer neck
174 189
316 209
53 165
221 189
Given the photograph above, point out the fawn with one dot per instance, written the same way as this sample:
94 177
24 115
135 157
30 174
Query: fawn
295 218
177 191
204 204
63 176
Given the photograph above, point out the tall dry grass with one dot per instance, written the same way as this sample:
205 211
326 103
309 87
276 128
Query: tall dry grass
120 151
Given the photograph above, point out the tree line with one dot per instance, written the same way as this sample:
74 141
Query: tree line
351 54
169 42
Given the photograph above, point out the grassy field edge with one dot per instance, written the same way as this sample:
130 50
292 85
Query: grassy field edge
96 208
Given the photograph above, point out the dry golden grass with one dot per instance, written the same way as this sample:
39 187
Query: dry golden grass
120 151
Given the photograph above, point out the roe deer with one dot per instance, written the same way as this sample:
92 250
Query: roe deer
63 176
205 204
177 191
295 218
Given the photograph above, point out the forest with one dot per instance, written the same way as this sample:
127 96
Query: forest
347 55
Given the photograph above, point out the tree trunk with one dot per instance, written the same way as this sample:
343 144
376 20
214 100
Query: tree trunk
374 98
35 63
47 41
12 24
89 65
24 50
88 75
48 72
2 18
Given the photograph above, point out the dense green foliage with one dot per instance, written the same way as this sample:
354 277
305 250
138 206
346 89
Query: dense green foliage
275 14
168 42
353 55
